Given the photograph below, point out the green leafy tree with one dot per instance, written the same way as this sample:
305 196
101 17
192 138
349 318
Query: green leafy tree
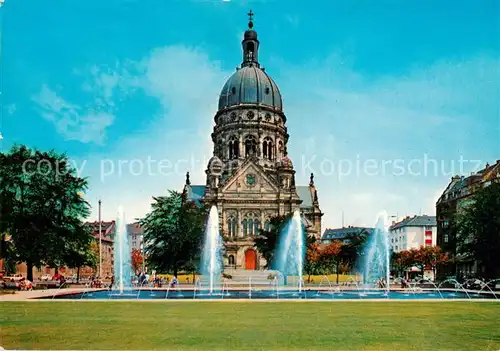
266 243
79 253
478 230
173 232
353 248
41 205
7 253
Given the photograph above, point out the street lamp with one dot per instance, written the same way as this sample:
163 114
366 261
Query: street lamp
100 241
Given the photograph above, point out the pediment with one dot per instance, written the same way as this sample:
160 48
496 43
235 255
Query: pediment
250 178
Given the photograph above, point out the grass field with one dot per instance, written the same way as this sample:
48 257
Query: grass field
250 325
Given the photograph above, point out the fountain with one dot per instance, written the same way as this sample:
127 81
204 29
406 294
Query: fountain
289 259
376 262
211 264
122 265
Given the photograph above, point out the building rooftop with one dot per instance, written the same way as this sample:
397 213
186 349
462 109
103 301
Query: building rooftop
415 221
134 229
462 186
107 230
345 233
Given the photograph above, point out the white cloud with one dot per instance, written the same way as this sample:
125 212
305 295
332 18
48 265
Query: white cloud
72 121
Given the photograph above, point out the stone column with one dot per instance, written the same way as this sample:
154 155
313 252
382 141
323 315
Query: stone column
242 145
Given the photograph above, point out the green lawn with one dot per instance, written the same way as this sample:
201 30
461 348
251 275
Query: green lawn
250 325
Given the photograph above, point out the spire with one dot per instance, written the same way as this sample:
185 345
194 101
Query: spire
250 44
311 179
188 181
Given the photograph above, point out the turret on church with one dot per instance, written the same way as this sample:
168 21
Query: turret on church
250 177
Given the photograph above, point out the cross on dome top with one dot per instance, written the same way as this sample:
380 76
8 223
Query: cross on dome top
250 19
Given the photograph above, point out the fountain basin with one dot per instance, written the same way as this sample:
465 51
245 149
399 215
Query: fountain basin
268 294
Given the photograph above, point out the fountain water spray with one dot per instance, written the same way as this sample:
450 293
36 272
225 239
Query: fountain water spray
376 263
211 264
290 255
122 260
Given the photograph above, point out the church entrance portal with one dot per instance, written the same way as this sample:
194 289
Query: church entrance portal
250 259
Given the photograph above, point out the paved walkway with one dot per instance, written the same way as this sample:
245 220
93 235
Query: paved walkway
36 294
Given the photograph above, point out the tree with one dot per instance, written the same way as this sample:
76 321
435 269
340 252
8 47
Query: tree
435 257
7 253
41 205
418 258
268 240
312 265
401 261
173 232
353 248
330 257
478 230
137 259
81 254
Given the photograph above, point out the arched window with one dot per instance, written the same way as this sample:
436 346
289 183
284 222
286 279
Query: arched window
231 260
245 227
251 224
250 145
256 226
250 51
231 226
267 225
267 148
234 150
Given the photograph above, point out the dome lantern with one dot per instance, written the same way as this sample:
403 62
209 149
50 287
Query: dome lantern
250 85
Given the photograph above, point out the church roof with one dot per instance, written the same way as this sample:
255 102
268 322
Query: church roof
305 194
250 85
196 193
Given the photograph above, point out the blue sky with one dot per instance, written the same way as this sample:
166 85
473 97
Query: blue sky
117 83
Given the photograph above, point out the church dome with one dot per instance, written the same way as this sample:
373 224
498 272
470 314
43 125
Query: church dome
250 85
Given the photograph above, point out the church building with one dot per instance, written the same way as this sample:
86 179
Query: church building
250 177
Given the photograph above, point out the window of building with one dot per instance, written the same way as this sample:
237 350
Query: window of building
234 150
231 260
445 238
267 148
250 145
231 226
251 224
428 228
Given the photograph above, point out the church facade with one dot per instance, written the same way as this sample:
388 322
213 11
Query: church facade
250 177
